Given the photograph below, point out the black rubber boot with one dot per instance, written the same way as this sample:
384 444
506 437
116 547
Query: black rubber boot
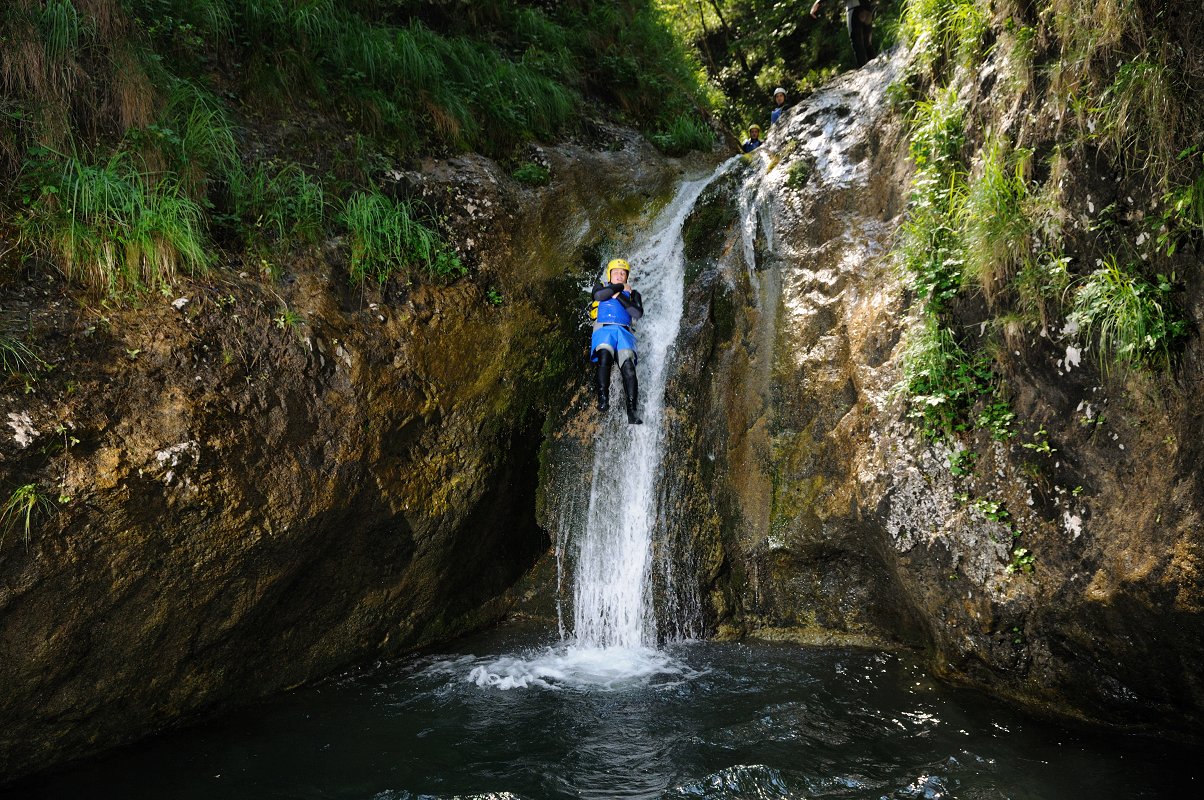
631 389
602 379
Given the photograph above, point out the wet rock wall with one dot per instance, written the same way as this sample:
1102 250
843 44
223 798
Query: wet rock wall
263 478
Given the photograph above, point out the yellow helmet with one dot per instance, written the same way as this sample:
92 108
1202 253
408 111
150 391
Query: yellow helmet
617 263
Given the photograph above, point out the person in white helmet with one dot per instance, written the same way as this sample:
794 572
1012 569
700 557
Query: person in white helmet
779 104
859 16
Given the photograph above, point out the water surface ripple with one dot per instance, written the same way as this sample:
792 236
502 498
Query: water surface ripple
698 720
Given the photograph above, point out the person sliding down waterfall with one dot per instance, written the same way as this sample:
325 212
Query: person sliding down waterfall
616 305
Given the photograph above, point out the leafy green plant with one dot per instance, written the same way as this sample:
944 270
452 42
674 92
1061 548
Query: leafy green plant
938 132
798 173
961 463
966 22
1184 205
1040 443
945 381
531 174
1133 319
386 237
901 94
495 297
20 507
991 509
1022 561
942 380
932 248
997 417
287 319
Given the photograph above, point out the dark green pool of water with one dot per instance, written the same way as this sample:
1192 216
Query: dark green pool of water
723 721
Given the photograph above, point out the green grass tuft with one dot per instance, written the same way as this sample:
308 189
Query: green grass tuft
113 227
15 355
942 31
1131 318
685 133
199 137
285 204
1141 118
386 238
996 219
20 507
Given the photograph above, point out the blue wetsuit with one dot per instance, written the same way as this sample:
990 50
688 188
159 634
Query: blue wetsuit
751 144
777 112
617 309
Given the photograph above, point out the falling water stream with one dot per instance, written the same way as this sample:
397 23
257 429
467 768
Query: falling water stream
614 628
598 710
612 605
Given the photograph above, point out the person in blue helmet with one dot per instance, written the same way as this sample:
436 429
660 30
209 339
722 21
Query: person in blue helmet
616 306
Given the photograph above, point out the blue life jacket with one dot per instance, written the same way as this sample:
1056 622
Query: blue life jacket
777 112
612 312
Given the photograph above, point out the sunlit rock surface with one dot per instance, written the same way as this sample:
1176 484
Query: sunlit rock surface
817 512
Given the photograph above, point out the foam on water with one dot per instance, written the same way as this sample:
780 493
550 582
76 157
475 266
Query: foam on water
576 667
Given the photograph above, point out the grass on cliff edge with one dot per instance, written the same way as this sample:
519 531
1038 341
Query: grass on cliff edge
20 508
385 236
125 146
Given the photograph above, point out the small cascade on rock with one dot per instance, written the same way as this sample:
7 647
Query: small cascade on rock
612 595
608 560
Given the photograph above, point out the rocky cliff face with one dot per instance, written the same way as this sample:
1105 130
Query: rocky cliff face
251 483
821 514
245 499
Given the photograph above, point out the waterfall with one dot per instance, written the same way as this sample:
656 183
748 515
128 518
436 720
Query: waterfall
612 598
607 560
